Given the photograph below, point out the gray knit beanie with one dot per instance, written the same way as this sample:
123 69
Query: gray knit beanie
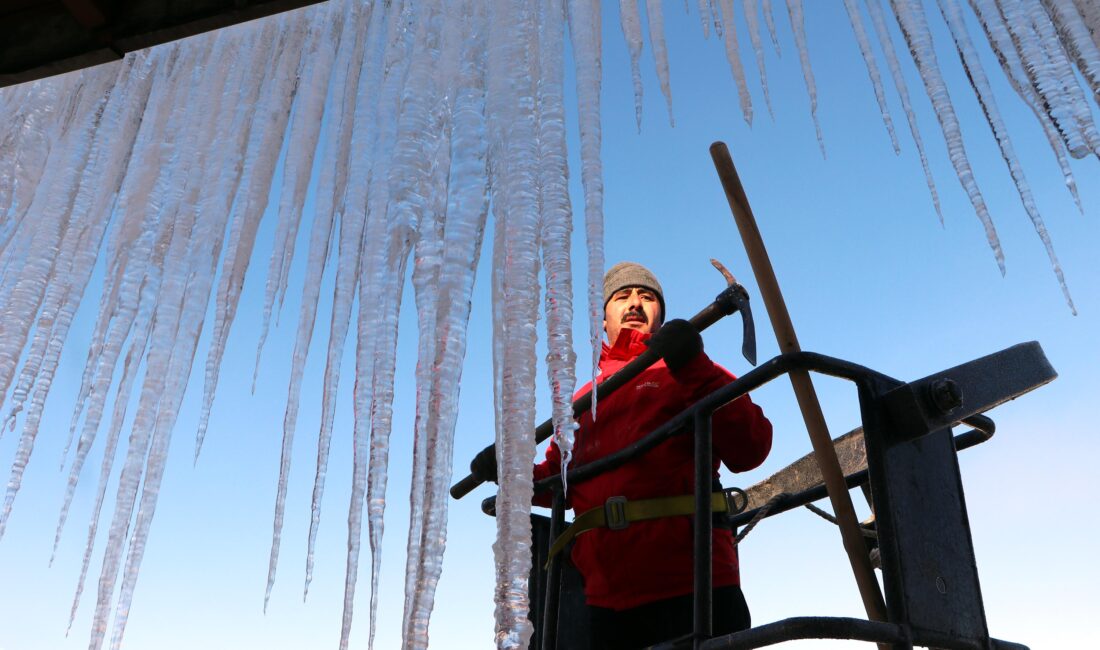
631 274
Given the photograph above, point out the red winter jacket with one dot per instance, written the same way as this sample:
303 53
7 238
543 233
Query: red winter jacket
652 560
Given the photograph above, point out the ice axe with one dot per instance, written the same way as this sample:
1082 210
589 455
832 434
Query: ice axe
733 298
741 300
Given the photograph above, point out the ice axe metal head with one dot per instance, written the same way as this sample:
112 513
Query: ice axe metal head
735 298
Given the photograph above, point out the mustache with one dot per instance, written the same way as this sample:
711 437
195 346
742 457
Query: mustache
634 313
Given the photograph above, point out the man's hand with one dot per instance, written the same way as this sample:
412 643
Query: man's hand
484 466
678 342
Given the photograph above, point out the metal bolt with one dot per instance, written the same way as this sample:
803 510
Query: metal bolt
945 395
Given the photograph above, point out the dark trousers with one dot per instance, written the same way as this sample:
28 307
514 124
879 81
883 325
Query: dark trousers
664 620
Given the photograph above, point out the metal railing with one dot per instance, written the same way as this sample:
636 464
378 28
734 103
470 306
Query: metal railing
906 426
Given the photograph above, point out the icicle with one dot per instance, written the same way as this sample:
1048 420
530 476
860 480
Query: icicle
1058 64
341 91
380 283
872 68
30 284
734 59
974 71
715 17
1001 42
100 180
304 132
67 282
26 267
1058 93
769 18
656 19
381 417
752 19
798 26
97 191
632 31
156 376
1077 40
113 330
556 228
447 252
415 208
352 224
911 18
111 446
516 297
887 43
465 224
33 132
257 168
584 33
195 278
1090 15
704 17
381 280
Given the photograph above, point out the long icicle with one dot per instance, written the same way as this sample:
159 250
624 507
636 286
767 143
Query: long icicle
375 279
353 220
655 18
769 19
1001 42
914 26
1043 76
976 73
52 213
513 135
631 21
874 8
752 20
1058 63
798 27
341 89
97 192
258 168
734 59
556 227
1075 35
467 203
584 33
872 68
304 131
418 199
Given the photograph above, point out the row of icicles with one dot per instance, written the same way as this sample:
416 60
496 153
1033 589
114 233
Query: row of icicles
160 167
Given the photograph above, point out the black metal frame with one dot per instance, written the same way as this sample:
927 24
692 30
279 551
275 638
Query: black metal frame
932 592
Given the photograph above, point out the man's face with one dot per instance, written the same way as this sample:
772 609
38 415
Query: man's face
635 308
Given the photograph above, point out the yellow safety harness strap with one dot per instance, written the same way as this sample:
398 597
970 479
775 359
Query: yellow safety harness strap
618 513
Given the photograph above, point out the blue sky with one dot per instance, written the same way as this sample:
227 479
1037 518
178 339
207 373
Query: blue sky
868 274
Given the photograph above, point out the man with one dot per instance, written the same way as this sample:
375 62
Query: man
639 579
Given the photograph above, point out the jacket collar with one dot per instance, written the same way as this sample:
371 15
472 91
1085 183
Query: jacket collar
630 344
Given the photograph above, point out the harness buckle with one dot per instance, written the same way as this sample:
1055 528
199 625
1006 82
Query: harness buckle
736 500
614 512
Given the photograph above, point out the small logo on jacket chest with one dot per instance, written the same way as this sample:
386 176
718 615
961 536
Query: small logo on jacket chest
648 384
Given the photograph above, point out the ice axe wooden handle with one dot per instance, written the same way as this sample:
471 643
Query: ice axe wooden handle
732 299
803 387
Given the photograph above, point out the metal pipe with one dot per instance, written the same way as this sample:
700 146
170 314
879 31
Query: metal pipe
553 578
814 627
703 528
